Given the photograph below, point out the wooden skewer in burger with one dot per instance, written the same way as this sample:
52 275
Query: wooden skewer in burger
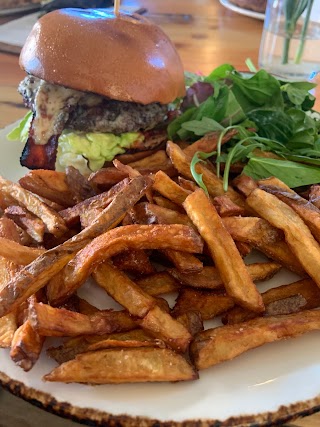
98 84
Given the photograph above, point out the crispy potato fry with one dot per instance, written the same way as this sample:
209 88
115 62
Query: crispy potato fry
134 261
187 184
51 185
72 215
297 234
214 184
30 223
281 253
192 320
156 161
285 299
115 366
183 261
252 230
306 210
165 203
235 276
226 207
130 237
243 248
75 345
164 327
158 283
35 275
9 230
209 277
209 304
274 182
169 189
314 195
79 185
126 169
19 254
59 322
148 213
220 344
123 290
53 221
8 327
244 184
26 346
209 142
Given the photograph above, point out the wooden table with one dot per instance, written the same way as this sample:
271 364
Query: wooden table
206 35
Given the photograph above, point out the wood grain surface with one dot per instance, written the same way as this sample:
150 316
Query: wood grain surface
206 35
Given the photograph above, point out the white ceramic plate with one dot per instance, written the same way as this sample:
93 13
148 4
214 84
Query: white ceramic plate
273 382
242 11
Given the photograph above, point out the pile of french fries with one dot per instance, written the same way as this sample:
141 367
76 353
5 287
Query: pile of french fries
141 228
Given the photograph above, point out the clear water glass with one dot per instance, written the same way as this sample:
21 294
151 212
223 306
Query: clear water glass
290 43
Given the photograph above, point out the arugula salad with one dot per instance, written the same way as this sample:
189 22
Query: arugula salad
278 132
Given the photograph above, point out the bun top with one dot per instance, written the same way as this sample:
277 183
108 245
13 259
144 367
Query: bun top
123 57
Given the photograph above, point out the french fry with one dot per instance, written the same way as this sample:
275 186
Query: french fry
148 213
166 203
214 184
59 322
51 185
30 223
226 207
123 290
252 230
130 237
19 254
306 210
8 327
158 283
35 275
220 344
26 346
209 277
187 184
285 299
243 248
72 215
192 320
9 230
235 276
75 345
209 142
314 195
183 261
53 221
297 234
134 261
142 305
164 327
209 304
244 184
115 366
168 188
126 169
281 253
156 161
78 185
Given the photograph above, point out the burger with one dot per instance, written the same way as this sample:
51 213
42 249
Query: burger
97 85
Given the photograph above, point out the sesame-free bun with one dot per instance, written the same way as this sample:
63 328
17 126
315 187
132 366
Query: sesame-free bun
123 57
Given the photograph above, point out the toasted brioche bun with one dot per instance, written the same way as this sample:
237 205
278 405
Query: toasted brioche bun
123 57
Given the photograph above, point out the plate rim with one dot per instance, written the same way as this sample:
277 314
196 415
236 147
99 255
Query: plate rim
48 403
242 11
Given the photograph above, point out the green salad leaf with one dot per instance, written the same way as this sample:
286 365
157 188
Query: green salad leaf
270 115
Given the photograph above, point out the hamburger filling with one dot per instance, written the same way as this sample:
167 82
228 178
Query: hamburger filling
85 129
